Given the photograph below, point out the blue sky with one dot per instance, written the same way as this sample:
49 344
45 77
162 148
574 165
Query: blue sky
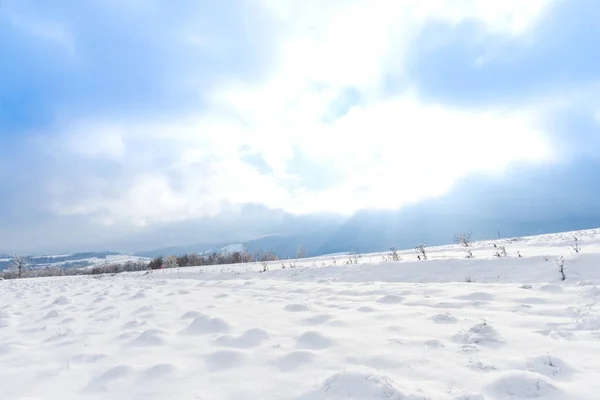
136 124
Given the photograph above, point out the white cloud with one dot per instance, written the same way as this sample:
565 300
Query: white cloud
92 141
388 151
42 28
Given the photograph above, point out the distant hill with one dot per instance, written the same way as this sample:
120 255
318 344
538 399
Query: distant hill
285 246
373 231
74 260
200 248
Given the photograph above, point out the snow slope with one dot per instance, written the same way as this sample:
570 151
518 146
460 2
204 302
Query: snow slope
402 330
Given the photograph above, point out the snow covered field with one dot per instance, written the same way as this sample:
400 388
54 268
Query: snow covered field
446 328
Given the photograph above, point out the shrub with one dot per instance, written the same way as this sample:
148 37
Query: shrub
500 251
421 251
393 255
576 245
561 269
463 239
170 262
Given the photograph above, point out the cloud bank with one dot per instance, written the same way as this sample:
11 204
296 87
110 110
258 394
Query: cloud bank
143 124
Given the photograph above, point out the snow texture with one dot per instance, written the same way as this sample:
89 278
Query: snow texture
449 328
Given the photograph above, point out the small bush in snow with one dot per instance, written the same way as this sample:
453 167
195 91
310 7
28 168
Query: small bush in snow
421 251
393 254
265 265
463 239
561 269
500 251
576 245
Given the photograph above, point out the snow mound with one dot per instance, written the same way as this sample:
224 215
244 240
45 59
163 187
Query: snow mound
160 370
294 360
514 385
52 314
296 307
444 318
206 325
313 340
550 366
479 334
357 385
61 301
151 337
247 340
192 314
100 383
317 319
390 299
224 359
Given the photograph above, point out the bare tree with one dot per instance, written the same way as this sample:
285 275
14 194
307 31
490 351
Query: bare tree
171 262
463 239
261 255
156 263
19 264
301 253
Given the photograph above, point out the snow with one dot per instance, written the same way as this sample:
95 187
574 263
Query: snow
53 256
232 248
110 260
453 328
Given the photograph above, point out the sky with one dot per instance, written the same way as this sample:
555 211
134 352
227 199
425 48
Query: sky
144 123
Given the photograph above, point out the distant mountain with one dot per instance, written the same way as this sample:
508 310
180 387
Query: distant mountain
232 248
200 248
316 242
286 246
373 231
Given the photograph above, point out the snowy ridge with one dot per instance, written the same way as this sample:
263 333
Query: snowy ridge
450 328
